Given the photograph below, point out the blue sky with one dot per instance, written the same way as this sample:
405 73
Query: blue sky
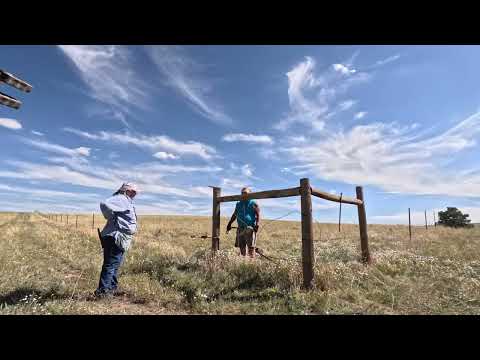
402 121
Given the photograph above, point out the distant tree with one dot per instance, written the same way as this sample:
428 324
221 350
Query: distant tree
454 218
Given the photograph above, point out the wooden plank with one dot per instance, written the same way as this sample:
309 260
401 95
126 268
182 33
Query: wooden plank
307 233
426 226
216 219
332 197
270 194
9 101
362 222
14 81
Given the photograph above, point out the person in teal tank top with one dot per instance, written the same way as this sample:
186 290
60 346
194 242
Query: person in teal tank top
247 214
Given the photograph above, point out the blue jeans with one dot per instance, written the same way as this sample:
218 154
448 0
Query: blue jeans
112 259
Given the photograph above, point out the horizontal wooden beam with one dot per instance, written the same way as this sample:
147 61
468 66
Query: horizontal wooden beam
9 101
12 80
331 197
270 194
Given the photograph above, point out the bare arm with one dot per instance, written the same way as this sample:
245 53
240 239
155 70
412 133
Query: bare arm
232 219
257 215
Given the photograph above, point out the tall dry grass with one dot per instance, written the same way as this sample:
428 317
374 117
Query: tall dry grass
49 267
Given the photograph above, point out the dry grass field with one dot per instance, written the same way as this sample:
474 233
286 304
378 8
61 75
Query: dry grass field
51 267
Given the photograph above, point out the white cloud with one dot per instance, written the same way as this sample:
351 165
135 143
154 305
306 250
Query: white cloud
313 98
391 158
247 170
417 218
10 124
46 193
182 75
260 139
37 133
345 105
164 155
77 171
173 207
297 139
233 185
344 70
153 143
83 151
108 71
360 115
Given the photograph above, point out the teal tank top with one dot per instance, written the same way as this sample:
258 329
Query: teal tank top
245 213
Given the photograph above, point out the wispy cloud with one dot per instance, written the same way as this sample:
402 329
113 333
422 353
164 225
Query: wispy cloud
315 98
154 143
38 133
109 73
44 145
250 138
46 193
360 115
181 73
10 124
346 105
148 176
247 170
387 60
393 159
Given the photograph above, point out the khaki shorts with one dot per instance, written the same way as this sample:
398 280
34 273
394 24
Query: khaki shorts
245 237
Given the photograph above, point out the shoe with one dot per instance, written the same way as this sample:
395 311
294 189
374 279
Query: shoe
119 293
102 294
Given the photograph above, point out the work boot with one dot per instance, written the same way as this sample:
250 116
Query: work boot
251 252
97 295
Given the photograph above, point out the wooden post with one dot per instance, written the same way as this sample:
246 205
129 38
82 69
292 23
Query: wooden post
362 222
340 213
307 233
67 219
216 218
409 225
61 218
93 221
434 220
426 226
76 221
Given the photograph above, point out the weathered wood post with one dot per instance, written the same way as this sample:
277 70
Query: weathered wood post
362 222
434 220
426 226
67 219
93 221
307 233
76 221
409 225
340 213
216 218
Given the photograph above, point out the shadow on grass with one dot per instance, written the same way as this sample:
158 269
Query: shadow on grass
29 295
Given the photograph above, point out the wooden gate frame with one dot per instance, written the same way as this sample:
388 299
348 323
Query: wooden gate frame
305 191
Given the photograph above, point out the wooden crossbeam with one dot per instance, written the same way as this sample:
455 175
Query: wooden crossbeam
332 197
270 194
